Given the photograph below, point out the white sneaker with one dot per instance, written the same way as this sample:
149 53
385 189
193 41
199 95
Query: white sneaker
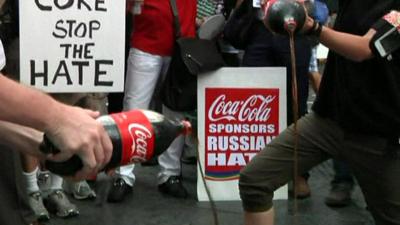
58 203
35 201
80 190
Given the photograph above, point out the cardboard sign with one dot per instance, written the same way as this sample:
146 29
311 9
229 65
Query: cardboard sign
73 46
240 110
239 123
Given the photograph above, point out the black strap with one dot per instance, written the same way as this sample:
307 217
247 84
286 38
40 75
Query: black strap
177 24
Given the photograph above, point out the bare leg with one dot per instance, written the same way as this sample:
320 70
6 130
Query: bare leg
315 78
29 163
259 218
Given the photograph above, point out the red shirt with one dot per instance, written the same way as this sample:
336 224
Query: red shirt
153 29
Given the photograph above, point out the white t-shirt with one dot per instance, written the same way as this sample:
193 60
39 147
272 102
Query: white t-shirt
2 56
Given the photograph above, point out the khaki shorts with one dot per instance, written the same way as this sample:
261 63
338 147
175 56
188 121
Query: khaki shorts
374 161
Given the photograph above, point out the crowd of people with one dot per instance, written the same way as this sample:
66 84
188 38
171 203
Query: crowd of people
354 118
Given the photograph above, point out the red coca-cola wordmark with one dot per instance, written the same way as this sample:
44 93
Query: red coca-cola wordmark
239 122
137 136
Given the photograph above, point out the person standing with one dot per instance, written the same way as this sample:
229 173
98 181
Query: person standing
152 43
266 49
355 117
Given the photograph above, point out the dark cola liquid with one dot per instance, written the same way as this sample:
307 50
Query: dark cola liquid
137 136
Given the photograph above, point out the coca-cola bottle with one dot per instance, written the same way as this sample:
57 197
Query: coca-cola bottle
136 135
283 16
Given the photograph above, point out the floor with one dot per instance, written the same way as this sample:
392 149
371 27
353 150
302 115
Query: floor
146 206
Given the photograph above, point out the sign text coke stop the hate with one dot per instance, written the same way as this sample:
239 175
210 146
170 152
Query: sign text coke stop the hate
76 46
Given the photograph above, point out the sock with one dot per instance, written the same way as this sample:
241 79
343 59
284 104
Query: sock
31 181
56 182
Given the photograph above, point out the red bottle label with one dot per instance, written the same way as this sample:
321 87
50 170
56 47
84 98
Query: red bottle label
137 136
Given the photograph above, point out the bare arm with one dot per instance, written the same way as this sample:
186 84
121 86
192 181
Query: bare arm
73 130
26 106
353 47
21 138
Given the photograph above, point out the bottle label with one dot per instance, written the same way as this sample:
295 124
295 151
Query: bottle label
137 136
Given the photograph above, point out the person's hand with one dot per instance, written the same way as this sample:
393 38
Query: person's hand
74 131
308 24
200 21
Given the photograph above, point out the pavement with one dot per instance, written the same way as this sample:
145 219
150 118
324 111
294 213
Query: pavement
147 206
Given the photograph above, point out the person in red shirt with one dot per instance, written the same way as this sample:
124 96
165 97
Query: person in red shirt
152 44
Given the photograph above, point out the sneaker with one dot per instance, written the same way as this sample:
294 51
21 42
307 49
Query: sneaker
340 195
35 201
173 186
44 180
58 203
80 190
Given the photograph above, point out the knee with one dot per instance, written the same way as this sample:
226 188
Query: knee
256 193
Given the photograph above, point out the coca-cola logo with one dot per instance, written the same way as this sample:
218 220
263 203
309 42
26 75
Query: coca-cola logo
256 108
140 138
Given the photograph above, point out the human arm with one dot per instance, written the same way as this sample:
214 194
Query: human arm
353 47
21 138
71 129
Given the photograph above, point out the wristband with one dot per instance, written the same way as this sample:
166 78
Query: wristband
315 30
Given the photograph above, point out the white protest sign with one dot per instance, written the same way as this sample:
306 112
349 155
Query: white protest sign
72 45
240 110
257 3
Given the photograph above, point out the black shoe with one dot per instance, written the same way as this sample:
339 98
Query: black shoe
119 190
340 195
173 186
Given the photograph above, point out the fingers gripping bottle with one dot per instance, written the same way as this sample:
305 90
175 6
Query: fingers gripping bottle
136 135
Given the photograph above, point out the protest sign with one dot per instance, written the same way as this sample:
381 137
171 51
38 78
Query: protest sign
240 110
72 45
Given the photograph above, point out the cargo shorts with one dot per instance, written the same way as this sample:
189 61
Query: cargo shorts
374 161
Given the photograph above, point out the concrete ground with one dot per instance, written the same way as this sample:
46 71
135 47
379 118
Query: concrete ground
147 206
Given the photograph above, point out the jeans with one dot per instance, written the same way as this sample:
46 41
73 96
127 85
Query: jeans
144 71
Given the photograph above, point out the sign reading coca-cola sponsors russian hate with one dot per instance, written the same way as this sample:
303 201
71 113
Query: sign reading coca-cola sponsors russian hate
239 123
240 111
72 45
